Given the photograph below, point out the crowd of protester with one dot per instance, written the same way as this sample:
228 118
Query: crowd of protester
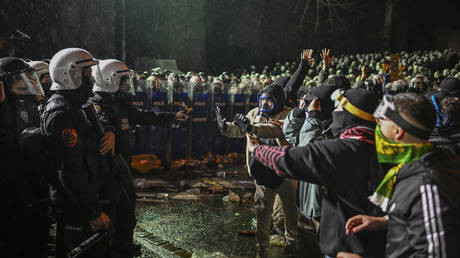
362 147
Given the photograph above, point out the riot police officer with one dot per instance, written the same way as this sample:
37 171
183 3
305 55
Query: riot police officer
25 229
42 70
113 91
81 171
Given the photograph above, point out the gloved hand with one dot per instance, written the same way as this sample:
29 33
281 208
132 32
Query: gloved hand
243 122
221 122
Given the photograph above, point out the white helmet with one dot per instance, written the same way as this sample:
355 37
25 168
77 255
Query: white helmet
40 67
66 68
112 72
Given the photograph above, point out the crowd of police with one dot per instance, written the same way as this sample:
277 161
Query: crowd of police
369 158
65 143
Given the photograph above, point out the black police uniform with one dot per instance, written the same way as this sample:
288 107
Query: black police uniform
81 173
26 190
118 114
12 187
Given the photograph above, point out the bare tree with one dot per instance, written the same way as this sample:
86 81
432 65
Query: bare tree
330 9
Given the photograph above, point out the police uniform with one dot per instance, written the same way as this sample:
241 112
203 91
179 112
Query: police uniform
118 117
81 172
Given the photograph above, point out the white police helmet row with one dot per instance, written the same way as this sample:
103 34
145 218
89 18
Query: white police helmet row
66 68
114 75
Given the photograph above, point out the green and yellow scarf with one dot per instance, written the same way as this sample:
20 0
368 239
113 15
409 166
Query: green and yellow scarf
391 152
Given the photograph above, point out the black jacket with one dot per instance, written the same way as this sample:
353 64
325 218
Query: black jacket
292 84
81 173
349 170
119 117
424 213
445 136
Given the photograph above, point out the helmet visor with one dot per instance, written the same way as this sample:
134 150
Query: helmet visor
26 83
127 82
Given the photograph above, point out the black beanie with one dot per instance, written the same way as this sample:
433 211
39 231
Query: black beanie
324 96
338 82
363 99
451 86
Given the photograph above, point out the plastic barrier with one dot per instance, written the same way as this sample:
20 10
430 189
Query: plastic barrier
238 106
179 132
200 124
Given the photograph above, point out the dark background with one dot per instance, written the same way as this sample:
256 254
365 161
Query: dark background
217 35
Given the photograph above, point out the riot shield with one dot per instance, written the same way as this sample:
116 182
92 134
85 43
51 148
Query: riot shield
238 103
219 97
140 101
159 133
178 100
200 119
253 97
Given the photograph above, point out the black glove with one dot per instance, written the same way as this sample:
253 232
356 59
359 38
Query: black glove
299 112
221 122
243 122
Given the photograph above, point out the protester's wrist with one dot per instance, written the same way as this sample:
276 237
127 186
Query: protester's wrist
253 148
298 112
314 114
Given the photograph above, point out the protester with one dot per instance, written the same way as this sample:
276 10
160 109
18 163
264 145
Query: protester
346 166
421 192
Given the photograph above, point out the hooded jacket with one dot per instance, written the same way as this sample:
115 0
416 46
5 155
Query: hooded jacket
262 129
348 168
424 213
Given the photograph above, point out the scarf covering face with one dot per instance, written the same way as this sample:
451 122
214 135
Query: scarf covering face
392 152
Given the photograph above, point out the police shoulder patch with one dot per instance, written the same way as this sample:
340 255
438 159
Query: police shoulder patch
69 137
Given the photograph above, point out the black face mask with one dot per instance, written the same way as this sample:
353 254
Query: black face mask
122 97
46 87
86 88
338 124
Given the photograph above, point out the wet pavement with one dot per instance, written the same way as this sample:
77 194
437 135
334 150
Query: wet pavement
202 228
197 223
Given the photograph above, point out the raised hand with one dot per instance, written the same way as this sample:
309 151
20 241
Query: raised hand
363 73
307 55
221 122
327 59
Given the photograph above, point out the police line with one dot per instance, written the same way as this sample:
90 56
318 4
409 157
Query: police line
197 136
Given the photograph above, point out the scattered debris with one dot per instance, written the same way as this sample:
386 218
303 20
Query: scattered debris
144 163
277 240
232 197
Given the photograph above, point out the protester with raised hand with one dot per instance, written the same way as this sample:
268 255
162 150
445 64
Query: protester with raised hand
346 166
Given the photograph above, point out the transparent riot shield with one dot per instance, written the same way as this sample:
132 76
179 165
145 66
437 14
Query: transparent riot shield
253 96
178 100
238 103
200 132
158 134
221 98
